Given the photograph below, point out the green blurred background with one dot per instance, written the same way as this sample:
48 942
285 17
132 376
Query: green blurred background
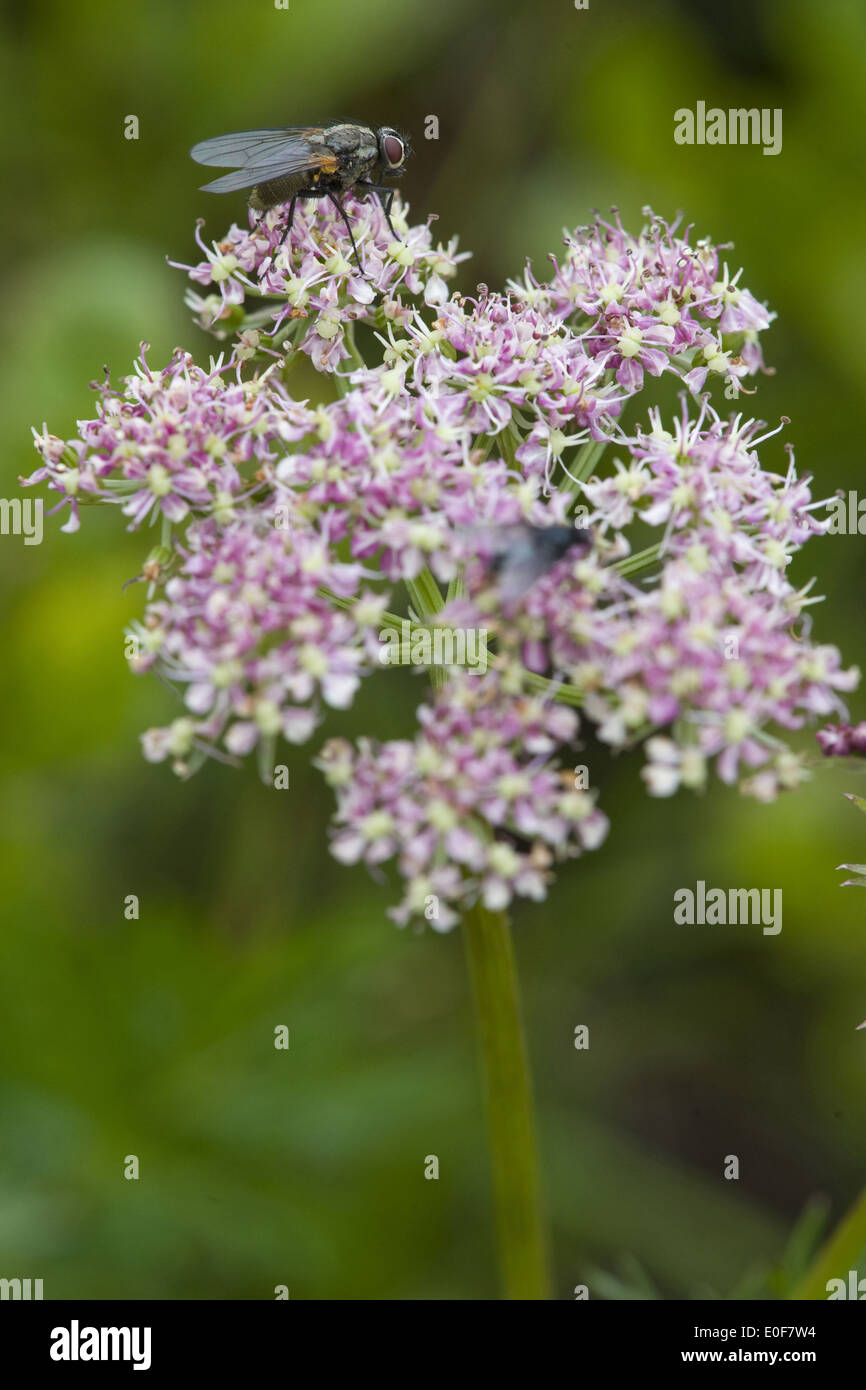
155 1037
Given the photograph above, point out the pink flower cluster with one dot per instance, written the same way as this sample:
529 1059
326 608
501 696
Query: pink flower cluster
455 430
474 805
171 442
313 291
243 629
842 740
654 303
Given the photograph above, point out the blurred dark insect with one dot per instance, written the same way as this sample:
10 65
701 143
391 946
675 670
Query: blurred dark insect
521 554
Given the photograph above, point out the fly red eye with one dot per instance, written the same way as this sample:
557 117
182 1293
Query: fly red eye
393 150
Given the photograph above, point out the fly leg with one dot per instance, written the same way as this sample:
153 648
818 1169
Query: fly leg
304 193
342 211
290 219
321 193
386 198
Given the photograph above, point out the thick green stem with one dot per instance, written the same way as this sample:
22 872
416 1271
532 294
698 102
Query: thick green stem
641 559
425 593
349 340
588 455
525 1272
842 1252
426 598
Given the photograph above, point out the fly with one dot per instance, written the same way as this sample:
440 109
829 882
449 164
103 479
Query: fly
522 553
281 166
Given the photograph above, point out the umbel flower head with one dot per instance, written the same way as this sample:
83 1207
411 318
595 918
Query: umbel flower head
449 430
476 802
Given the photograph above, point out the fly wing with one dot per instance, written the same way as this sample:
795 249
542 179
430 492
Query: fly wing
226 150
253 147
506 553
517 571
249 177
263 155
